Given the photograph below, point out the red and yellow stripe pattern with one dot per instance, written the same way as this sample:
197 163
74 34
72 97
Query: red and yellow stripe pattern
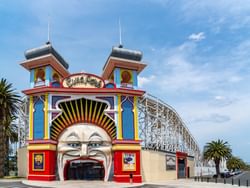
82 111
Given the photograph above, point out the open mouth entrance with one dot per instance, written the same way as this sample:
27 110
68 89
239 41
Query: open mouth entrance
84 170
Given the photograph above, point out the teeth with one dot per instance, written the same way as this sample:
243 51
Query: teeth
60 166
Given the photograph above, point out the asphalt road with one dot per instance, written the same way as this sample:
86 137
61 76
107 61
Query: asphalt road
244 177
240 180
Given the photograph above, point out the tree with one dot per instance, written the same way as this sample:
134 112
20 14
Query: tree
234 163
10 136
216 151
9 104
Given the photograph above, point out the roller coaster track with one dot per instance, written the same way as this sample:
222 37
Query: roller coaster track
23 122
161 128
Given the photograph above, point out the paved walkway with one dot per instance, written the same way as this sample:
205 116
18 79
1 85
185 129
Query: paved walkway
93 184
78 184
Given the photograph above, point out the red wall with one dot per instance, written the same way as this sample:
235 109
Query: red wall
50 163
124 176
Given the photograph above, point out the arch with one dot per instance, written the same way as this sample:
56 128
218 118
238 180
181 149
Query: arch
127 119
39 118
82 111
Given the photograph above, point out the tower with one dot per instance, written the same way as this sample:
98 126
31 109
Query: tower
122 68
47 68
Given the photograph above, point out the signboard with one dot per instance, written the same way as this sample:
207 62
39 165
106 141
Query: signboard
170 162
38 161
128 162
83 80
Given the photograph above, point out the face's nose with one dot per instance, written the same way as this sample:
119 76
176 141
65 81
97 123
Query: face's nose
84 150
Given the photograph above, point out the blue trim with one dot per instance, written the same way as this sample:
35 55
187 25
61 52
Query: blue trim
32 78
117 77
109 85
127 120
55 99
55 84
38 126
110 100
135 81
47 75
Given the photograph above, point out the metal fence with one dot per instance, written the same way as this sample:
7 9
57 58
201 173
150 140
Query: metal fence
233 181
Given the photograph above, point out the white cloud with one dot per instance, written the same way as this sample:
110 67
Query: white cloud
219 97
182 69
214 118
233 14
235 79
142 81
211 94
221 101
197 36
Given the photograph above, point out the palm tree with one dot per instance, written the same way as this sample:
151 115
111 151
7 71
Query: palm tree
216 151
9 103
234 163
10 136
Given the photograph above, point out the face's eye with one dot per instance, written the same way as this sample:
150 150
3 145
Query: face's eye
74 145
94 144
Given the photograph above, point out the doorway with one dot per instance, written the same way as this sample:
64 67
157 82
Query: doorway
85 171
181 168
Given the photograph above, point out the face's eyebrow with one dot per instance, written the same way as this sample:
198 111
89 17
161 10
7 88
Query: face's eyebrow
95 135
73 134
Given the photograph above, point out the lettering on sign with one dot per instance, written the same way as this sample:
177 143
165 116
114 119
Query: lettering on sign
83 81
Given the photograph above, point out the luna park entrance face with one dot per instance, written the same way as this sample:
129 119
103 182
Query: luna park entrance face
84 153
85 170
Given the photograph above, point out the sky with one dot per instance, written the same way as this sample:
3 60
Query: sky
197 53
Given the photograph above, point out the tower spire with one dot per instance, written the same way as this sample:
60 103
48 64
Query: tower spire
120 34
48 42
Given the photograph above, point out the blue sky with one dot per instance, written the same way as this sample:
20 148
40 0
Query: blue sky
197 53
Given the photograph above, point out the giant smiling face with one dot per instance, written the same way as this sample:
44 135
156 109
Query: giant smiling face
84 142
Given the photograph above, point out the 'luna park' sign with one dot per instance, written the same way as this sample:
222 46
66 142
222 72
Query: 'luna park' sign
83 81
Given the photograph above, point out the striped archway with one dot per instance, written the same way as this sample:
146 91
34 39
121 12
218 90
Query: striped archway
82 111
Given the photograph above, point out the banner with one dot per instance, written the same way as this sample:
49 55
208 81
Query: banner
129 162
38 161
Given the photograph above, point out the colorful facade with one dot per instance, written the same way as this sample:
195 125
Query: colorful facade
83 126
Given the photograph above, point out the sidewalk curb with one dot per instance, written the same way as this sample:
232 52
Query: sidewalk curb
37 183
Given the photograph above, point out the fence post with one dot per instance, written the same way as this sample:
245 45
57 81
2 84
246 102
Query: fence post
216 180
232 181
239 182
224 181
247 183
